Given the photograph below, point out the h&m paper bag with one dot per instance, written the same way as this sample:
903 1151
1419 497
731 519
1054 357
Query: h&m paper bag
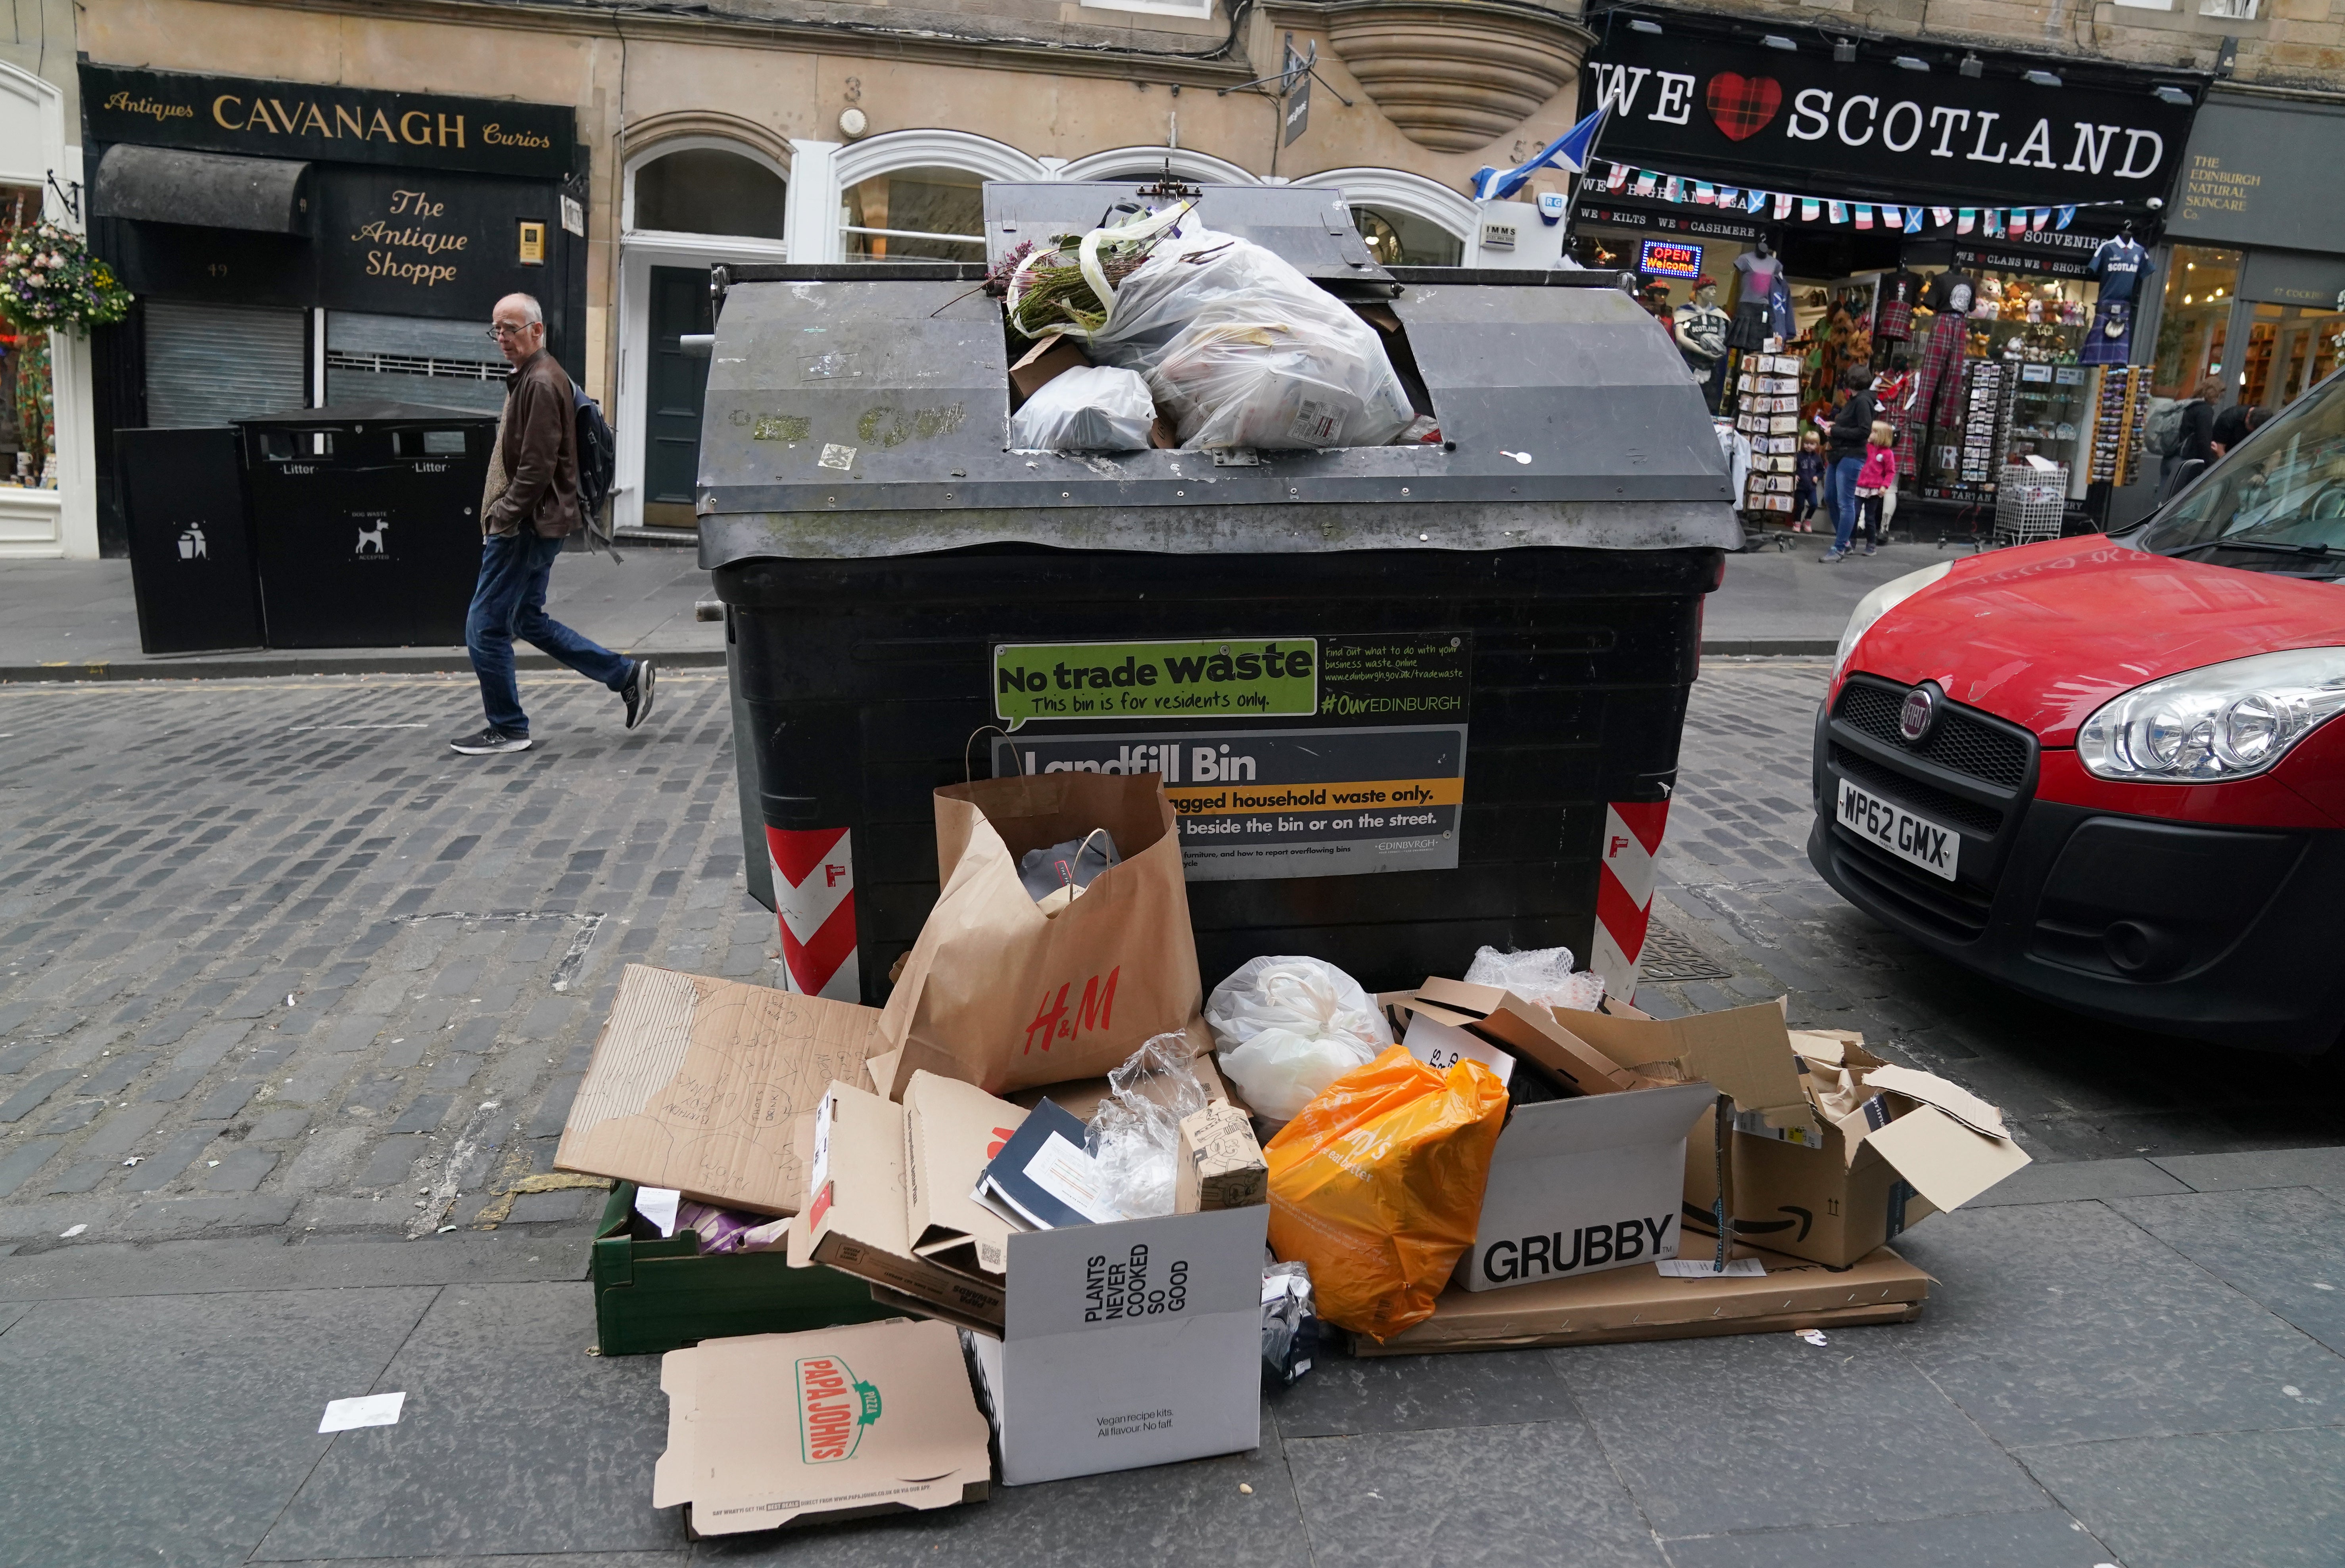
1002 995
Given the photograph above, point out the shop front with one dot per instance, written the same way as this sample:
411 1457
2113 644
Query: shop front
294 245
2255 288
1972 226
46 507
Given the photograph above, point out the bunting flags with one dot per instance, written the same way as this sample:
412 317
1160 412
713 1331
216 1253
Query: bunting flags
1942 215
1864 215
1645 178
1995 222
2037 218
1705 193
1913 220
1618 177
1783 206
2068 215
1809 207
1729 196
1754 201
1965 219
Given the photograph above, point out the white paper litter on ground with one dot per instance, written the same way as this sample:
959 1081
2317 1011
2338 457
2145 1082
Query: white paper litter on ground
657 1204
1705 1269
1813 1336
69 1235
367 1410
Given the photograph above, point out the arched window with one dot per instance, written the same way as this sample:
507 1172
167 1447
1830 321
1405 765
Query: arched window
1399 238
707 190
931 213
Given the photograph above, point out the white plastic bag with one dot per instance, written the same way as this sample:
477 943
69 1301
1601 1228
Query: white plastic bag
1543 975
1286 1027
1135 1134
1243 351
1089 409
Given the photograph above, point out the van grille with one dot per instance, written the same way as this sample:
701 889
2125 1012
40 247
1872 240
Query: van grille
1960 742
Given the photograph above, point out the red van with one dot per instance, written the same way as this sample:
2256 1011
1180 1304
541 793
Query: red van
2108 772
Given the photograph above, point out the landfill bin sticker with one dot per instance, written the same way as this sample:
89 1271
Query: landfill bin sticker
814 898
1377 679
1257 804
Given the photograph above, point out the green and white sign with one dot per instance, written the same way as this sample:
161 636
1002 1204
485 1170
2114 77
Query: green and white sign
1220 678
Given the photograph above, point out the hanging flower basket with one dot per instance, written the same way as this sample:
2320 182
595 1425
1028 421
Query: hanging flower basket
49 279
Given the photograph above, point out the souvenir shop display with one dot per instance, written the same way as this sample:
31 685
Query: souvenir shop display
1900 292
2120 412
1701 328
2047 408
1966 448
1767 411
1765 307
2031 501
2122 267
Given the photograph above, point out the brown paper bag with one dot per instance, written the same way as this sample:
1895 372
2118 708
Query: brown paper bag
997 993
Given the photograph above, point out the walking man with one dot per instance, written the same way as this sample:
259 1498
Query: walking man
530 505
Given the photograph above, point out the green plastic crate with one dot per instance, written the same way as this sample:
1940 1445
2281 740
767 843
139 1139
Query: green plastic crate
653 1294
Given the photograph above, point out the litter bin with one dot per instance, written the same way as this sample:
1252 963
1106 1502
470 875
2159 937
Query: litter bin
191 572
366 521
1397 692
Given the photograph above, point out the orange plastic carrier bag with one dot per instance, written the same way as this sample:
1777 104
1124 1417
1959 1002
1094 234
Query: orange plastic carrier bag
1377 1186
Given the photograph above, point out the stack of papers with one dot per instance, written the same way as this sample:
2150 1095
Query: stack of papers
1044 1176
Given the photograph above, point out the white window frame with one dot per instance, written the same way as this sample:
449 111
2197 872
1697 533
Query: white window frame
46 524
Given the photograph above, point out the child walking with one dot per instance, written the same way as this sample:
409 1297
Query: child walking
1807 474
1875 479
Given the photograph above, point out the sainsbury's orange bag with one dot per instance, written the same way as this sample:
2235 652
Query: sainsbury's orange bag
1377 1186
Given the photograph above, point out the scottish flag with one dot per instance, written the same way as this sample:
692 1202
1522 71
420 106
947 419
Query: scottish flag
1567 152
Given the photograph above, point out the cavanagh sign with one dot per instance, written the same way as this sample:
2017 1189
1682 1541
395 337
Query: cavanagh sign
1731 108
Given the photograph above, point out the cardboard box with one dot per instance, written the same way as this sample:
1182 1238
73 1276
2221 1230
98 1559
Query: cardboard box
1835 1187
705 1086
1637 1304
1218 1164
1127 1345
950 1130
1527 1029
840 1423
656 1293
859 1219
1049 359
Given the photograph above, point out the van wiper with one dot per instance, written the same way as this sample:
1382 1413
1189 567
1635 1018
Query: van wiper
2267 547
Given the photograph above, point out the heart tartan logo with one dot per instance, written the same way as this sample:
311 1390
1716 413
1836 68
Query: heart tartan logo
1742 106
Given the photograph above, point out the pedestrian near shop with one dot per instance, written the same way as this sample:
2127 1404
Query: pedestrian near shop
528 507
1876 480
1807 474
1852 427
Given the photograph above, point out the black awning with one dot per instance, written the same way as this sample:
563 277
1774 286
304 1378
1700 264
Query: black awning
204 190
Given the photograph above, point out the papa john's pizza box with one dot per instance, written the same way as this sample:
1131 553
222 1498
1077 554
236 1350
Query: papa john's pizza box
1596 1181
1885 1148
839 1423
705 1086
1128 1344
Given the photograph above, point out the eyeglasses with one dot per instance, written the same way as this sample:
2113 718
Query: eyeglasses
501 330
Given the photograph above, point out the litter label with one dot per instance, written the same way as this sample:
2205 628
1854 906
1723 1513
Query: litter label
1316 424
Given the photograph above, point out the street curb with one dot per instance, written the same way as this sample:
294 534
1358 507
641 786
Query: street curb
360 662
1776 647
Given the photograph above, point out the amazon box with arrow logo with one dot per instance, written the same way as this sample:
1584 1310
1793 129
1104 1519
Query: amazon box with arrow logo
1878 1149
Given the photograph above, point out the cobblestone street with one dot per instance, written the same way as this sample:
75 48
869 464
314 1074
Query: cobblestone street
277 959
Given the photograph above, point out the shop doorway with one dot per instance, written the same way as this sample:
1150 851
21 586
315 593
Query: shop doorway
677 385
210 364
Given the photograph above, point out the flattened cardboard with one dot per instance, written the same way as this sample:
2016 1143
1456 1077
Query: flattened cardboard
1947 1162
856 1221
1218 1164
702 1085
839 1423
1129 1344
1745 1052
1637 1304
1578 1185
950 1130
1527 1029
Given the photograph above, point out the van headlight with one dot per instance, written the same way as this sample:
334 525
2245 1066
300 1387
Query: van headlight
1880 602
2227 721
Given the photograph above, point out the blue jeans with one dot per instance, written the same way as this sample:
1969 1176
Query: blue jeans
509 603
1841 482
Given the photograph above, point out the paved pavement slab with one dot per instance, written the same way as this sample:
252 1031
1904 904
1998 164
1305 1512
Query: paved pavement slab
2269 1499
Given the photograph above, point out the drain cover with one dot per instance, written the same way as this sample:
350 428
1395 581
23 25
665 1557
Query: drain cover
1669 957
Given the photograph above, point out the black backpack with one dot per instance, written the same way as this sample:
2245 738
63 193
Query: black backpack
598 462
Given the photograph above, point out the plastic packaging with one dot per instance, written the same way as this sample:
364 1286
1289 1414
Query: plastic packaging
1070 864
1240 350
1135 1134
1378 1183
1286 1027
730 1229
1290 1324
1543 975
1091 408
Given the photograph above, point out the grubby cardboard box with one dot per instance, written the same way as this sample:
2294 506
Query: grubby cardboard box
1638 1303
705 1084
1597 1181
859 1219
1127 1345
839 1423
1835 1189
1218 1164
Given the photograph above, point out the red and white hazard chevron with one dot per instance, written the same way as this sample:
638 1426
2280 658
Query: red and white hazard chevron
1624 892
814 893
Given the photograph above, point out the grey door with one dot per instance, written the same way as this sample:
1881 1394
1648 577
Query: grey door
677 384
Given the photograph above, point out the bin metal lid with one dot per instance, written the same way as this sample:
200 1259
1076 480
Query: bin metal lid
1311 229
369 411
862 419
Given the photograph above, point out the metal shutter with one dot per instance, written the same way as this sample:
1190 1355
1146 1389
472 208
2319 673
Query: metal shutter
413 360
209 364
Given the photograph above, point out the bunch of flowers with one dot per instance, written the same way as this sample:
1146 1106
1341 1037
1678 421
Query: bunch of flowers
48 279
